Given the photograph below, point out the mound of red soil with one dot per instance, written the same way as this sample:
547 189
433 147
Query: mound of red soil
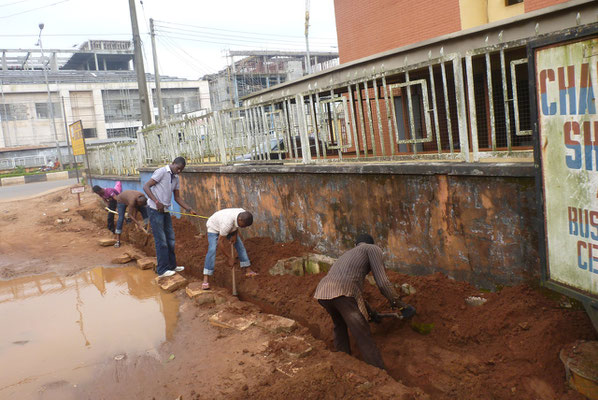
506 348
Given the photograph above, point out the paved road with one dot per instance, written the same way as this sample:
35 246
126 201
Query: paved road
8 193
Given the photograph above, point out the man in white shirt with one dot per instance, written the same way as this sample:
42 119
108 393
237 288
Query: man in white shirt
163 184
223 226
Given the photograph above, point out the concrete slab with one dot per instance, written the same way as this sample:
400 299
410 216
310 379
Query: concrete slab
316 263
13 180
57 176
106 242
231 320
275 323
289 266
294 346
171 283
147 263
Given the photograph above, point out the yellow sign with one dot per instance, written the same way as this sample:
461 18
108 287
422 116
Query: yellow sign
77 139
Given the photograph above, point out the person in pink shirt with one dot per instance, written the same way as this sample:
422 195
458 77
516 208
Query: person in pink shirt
109 196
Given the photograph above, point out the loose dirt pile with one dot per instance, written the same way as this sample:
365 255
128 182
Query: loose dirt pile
506 348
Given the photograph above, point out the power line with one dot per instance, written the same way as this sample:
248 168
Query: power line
226 36
229 30
15 2
34 9
193 63
263 45
68 34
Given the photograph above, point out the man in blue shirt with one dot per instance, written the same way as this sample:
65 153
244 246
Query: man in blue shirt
159 189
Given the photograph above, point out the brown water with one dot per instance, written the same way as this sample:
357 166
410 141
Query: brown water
54 331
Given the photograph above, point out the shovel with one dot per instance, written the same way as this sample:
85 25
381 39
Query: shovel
231 261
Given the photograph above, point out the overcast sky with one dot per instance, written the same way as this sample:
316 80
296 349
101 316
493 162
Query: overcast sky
193 35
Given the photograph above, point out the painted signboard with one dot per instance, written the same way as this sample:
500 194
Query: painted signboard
567 84
77 139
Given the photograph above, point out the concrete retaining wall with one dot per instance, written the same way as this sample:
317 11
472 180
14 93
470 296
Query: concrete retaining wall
473 222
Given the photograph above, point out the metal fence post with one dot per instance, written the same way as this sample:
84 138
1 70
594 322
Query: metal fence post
305 148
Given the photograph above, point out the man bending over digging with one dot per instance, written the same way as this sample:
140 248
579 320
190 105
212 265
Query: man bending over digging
134 201
223 226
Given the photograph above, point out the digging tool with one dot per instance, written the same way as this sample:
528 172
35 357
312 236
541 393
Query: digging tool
232 265
404 312
110 211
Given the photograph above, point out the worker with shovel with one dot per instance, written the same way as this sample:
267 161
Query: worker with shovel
108 195
223 226
163 184
340 293
134 201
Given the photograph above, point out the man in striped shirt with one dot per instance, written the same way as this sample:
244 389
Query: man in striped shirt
340 293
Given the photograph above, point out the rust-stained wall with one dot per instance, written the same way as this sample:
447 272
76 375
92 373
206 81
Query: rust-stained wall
482 229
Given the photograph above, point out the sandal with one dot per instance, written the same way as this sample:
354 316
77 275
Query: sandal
117 244
205 286
250 274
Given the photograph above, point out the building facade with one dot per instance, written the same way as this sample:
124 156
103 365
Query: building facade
252 71
94 84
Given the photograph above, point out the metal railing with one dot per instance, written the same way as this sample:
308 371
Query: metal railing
451 107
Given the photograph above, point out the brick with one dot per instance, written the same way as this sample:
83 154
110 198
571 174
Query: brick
147 263
135 255
171 283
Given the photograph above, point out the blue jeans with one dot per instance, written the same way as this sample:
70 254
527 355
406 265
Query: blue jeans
121 216
164 240
208 268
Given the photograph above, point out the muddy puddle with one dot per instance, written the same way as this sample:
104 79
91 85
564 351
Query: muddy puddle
57 330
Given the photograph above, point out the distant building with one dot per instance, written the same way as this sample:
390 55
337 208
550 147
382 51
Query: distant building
95 83
258 70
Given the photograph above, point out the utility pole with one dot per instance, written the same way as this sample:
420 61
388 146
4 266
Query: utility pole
50 105
308 64
146 117
156 72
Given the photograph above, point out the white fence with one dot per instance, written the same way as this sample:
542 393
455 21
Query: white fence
454 107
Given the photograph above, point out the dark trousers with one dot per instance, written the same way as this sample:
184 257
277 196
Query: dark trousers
163 239
110 219
345 314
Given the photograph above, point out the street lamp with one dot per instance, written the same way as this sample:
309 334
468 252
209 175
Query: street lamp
50 106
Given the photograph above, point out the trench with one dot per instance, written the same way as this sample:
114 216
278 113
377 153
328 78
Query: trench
509 345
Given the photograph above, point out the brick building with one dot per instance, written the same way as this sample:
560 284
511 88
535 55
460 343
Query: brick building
365 28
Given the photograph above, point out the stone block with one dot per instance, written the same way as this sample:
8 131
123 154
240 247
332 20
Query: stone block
125 258
147 263
232 320
201 296
275 323
171 283
106 242
135 255
316 263
288 266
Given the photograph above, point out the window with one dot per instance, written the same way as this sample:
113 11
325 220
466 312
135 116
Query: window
90 133
42 112
512 2
13 112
